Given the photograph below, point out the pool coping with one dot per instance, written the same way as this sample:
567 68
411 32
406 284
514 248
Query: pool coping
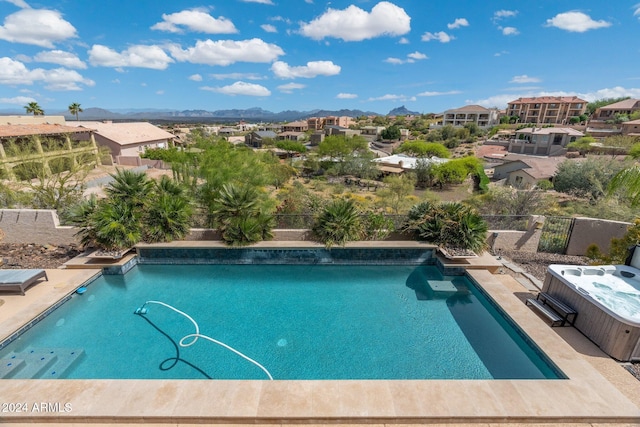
587 396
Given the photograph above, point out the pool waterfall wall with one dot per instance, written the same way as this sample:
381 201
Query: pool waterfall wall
615 335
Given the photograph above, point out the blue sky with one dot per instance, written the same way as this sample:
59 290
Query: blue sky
305 54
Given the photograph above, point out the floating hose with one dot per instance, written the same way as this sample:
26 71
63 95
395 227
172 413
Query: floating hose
191 339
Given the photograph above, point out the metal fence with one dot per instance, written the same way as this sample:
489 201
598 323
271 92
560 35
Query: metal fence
555 234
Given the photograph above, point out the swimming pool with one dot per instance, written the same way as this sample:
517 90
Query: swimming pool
298 321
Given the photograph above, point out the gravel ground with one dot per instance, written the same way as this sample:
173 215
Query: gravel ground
536 263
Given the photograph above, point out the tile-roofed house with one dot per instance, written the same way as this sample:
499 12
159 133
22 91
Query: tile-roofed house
127 139
481 116
44 143
547 109
523 171
300 126
609 112
548 141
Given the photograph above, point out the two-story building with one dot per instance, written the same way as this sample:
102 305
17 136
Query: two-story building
547 109
549 141
481 116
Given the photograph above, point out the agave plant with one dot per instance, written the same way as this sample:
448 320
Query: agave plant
338 223
452 225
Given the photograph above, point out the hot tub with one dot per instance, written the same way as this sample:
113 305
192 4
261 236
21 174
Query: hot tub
607 299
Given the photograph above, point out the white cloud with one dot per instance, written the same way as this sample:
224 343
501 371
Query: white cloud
636 11
20 3
160 92
403 40
459 22
441 36
355 24
502 52
346 96
195 77
290 87
576 22
524 79
502 14
390 97
308 1
417 55
269 28
258 1
16 73
195 20
312 69
18 100
240 88
395 61
428 93
237 76
140 56
226 52
66 59
38 27
510 31
411 58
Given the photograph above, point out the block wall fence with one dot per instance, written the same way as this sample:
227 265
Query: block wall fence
42 227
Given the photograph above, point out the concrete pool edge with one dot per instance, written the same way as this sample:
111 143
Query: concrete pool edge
585 397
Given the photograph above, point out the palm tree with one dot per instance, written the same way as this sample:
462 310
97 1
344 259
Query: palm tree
628 181
239 215
338 223
130 187
75 109
34 108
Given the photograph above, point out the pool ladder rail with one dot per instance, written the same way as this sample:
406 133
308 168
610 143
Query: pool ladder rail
190 339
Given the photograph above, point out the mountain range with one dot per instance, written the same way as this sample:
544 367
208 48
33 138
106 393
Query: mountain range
232 115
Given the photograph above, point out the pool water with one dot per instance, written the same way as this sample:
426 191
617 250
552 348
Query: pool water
298 321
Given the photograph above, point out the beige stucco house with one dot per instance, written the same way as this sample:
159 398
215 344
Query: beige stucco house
549 141
127 140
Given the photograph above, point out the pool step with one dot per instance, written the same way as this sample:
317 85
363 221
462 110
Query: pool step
9 366
41 363
67 359
35 363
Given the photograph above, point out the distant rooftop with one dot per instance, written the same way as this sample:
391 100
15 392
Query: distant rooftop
8 131
548 100
126 133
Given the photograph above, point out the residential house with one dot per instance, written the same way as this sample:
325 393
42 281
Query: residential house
549 141
631 128
257 139
298 126
55 147
341 131
127 141
292 136
547 109
609 112
604 121
525 172
318 123
481 116
372 133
